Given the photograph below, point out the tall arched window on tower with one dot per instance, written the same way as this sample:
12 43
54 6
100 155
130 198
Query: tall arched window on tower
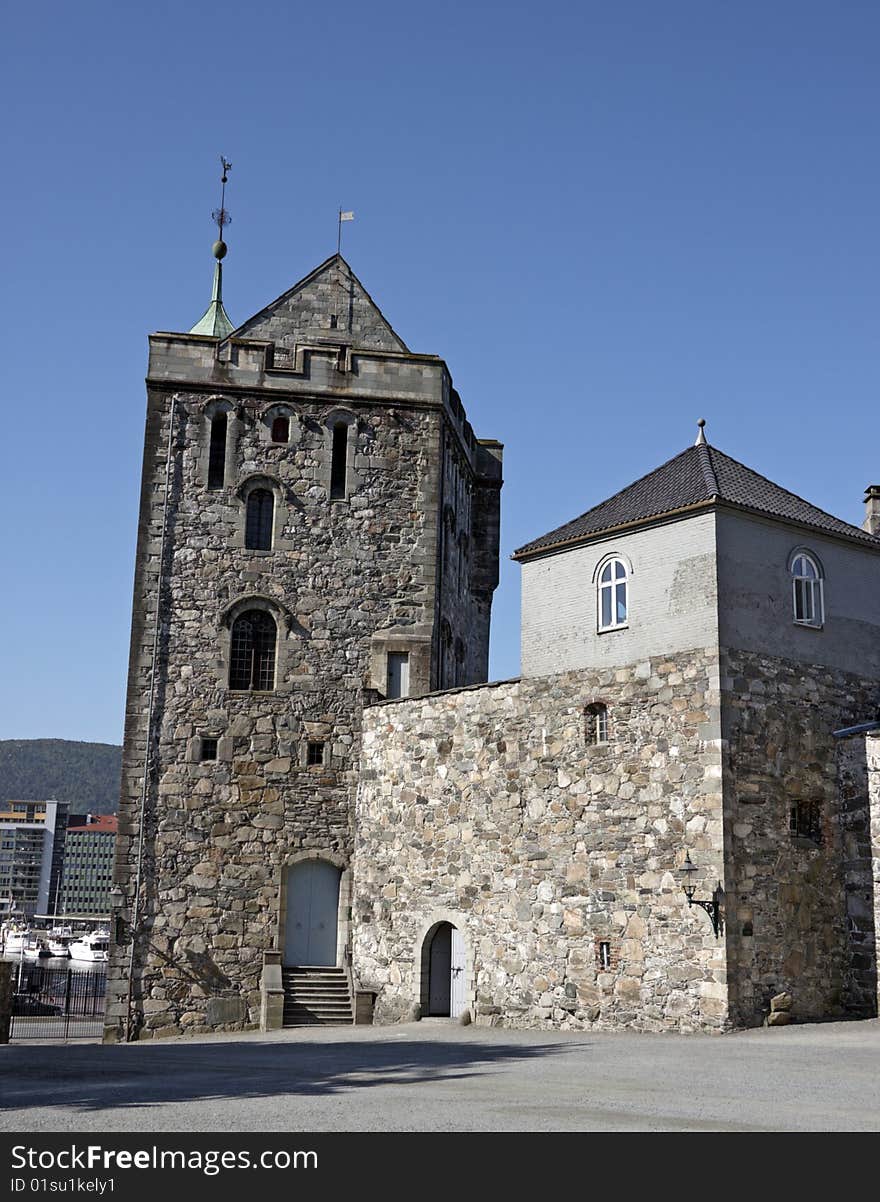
807 593
613 599
217 452
252 651
339 462
258 520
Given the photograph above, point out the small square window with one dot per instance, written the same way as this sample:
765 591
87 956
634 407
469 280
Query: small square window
209 749
281 429
314 754
805 820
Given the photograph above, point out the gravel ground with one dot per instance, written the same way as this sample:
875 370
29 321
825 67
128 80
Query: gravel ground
434 1076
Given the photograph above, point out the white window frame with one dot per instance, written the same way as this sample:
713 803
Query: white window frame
612 585
812 587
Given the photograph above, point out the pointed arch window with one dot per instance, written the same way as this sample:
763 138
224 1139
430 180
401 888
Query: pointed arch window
807 592
258 520
613 595
252 651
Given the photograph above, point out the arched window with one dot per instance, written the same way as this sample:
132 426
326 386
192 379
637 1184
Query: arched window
596 723
613 607
806 583
339 462
252 651
258 520
217 452
281 429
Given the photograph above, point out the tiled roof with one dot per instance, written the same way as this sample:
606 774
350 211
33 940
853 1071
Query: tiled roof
698 476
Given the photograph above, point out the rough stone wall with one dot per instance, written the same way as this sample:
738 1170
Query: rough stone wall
790 899
488 808
218 834
467 558
305 312
859 777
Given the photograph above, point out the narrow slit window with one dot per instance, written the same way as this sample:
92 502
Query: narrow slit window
339 462
217 452
258 520
604 954
252 655
281 429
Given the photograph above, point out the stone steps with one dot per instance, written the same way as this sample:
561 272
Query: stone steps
316 997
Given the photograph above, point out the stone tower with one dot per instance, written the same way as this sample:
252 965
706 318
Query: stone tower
318 528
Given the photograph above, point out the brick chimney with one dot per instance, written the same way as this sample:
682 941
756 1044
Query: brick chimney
872 509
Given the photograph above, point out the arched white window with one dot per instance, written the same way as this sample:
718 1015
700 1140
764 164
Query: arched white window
806 584
613 600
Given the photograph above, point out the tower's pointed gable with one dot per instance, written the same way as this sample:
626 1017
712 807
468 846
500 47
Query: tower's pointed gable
306 313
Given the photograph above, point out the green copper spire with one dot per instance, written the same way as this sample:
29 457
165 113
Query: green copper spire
215 322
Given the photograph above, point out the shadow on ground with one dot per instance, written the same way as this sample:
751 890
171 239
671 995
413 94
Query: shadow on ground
95 1077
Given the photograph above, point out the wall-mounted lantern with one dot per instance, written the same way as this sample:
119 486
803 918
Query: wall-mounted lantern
713 905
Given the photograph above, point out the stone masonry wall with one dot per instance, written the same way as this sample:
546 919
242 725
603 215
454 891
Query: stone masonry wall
792 901
218 834
489 808
859 776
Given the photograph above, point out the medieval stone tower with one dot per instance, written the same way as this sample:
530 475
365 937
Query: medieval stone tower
318 526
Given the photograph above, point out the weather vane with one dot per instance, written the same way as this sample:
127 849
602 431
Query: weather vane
220 215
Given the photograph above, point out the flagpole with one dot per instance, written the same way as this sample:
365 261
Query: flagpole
339 232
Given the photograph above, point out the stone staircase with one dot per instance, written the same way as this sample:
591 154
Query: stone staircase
316 997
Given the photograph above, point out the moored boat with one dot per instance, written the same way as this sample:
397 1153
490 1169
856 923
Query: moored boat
93 947
15 942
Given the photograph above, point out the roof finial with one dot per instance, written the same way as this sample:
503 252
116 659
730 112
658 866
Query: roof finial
701 437
215 322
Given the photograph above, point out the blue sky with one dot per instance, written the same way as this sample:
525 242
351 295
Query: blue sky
610 220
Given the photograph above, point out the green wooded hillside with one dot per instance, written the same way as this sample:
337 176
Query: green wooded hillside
85 774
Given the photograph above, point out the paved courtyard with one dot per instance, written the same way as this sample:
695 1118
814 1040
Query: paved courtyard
439 1077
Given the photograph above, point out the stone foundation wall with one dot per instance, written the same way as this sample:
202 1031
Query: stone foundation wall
488 808
796 908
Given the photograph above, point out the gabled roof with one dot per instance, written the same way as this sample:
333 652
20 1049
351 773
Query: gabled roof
700 476
304 311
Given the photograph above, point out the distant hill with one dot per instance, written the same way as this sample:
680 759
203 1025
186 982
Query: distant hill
85 774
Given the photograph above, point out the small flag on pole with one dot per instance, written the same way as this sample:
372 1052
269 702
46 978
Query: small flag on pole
343 216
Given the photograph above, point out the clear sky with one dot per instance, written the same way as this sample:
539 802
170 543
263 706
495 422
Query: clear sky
609 219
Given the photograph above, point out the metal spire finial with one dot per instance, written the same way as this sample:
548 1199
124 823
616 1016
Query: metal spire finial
214 322
701 437
221 216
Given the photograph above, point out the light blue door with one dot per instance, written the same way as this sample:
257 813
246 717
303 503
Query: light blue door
312 911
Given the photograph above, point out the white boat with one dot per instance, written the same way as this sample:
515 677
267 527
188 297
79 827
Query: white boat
93 947
59 940
36 949
15 942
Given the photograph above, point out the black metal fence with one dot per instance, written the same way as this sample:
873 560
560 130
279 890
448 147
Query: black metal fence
58 1003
